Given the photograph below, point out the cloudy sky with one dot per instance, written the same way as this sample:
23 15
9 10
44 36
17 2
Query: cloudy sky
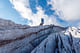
58 12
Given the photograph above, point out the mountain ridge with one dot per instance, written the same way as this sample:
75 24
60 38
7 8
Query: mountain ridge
17 38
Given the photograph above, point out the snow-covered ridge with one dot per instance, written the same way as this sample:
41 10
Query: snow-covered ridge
16 38
74 31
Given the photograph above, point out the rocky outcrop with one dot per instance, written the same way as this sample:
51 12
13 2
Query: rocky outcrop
16 38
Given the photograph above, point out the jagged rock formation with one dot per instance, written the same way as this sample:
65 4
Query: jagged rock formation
16 38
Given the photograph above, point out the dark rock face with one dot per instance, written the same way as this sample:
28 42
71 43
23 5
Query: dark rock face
16 38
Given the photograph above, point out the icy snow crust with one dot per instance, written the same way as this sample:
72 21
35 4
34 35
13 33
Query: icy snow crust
16 38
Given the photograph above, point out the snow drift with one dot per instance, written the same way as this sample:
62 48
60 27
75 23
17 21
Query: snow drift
16 38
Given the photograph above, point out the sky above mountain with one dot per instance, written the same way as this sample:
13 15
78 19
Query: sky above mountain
58 12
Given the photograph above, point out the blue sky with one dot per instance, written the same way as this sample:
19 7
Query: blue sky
29 12
7 12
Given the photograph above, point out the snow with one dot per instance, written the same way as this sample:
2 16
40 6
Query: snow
74 31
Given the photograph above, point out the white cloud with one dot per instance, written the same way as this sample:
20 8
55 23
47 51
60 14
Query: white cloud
22 6
68 10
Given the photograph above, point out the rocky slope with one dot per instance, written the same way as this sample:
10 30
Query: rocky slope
16 38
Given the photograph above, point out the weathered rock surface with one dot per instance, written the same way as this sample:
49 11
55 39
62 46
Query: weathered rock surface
16 38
